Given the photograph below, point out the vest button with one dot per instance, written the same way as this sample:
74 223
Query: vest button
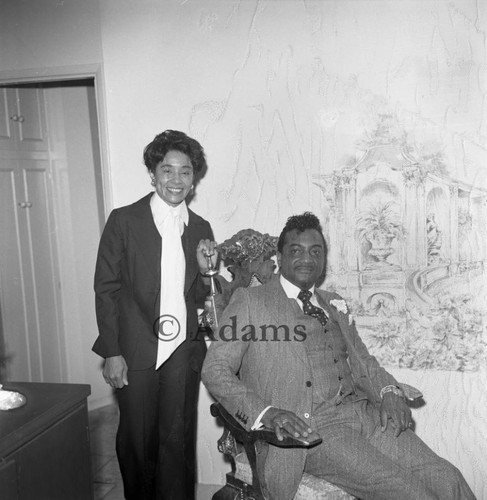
306 415
308 384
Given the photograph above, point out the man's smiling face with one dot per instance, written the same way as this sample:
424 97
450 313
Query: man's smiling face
302 259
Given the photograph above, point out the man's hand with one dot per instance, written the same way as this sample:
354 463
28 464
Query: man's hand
277 420
115 372
206 248
395 408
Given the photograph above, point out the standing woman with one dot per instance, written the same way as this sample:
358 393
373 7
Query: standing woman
148 285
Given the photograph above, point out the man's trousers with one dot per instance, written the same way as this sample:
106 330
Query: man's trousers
370 464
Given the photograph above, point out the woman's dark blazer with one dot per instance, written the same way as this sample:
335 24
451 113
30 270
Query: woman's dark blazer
127 285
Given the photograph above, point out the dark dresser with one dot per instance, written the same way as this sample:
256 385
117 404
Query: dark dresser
45 445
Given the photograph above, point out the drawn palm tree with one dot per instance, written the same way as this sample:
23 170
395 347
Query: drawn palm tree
379 224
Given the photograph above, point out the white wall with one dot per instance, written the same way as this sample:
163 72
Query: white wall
280 90
49 33
78 226
277 91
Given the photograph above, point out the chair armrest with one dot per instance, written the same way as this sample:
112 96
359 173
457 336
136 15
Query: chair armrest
264 434
256 444
289 440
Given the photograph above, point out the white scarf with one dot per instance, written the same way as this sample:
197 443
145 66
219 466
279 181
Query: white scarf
170 223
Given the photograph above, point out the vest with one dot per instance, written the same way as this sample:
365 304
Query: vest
328 357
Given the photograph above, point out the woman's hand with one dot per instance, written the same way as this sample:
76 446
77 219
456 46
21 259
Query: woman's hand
115 372
206 248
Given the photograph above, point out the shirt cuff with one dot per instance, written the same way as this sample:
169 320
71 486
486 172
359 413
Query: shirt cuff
258 424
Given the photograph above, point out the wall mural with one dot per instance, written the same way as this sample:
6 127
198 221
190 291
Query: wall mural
409 254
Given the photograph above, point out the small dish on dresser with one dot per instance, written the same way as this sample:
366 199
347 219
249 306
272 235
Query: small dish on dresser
9 400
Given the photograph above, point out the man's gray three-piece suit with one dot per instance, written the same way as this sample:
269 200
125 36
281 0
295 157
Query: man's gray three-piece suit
327 378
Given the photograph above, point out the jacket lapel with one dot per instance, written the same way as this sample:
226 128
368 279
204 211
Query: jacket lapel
149 242
190 239
324 303
342 319
147 238
284 311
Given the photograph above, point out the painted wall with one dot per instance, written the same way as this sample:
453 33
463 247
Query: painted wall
281 93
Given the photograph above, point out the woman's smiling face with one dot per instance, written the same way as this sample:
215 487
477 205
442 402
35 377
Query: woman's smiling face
173 177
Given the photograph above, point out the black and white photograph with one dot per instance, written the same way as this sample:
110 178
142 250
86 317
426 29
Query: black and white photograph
243 249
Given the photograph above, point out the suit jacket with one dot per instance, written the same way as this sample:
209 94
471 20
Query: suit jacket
127 283
247 376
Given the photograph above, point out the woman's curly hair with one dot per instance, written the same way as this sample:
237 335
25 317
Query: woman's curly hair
173 140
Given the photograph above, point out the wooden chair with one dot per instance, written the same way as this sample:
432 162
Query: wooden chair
247 450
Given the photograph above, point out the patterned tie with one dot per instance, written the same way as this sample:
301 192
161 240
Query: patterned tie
308 308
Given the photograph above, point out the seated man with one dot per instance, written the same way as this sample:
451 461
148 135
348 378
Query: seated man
287 355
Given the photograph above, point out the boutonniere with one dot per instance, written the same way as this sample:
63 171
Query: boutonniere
341 306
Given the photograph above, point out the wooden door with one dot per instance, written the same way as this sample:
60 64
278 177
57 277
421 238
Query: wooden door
8 125
15 342
30 305
22 119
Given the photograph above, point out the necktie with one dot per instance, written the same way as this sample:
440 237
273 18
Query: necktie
172 321
308 308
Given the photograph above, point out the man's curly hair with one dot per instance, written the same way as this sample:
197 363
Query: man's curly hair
307 220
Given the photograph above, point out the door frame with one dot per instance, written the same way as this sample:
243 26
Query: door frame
76 72
66 74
